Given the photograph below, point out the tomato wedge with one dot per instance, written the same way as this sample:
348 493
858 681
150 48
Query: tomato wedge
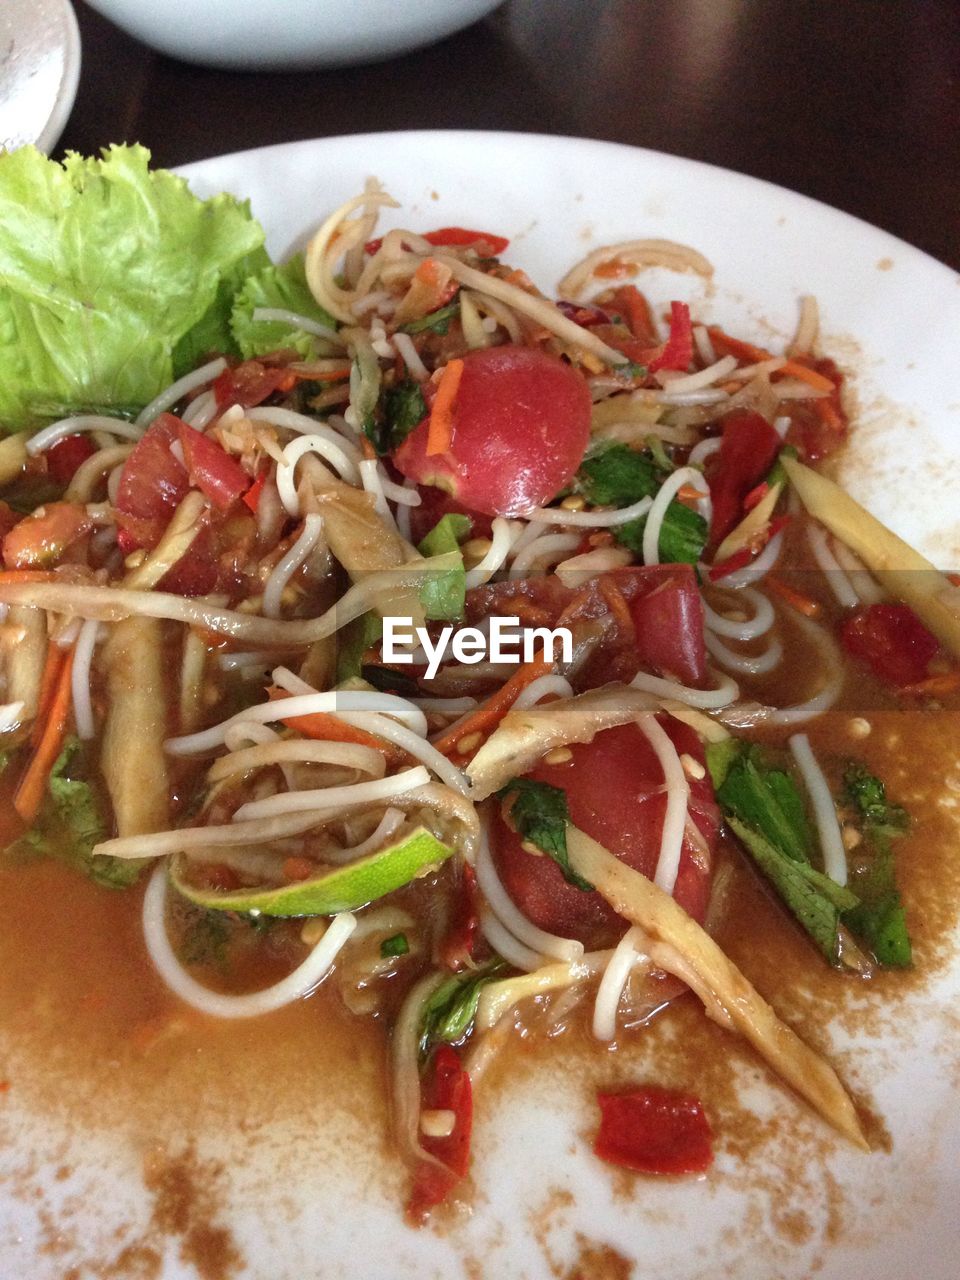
218 476
613 788
653 1130
249 384
153 483
892 640
39 540
445 1087
66 456
520 426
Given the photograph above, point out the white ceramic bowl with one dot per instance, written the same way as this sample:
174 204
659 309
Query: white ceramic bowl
39 70
290 34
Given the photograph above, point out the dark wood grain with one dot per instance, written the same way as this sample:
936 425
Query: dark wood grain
854 102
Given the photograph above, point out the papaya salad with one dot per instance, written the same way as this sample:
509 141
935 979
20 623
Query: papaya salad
209 519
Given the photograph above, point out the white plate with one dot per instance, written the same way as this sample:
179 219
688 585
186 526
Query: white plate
893 315
39 70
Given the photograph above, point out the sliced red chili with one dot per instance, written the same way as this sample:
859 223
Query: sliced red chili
653 1130
445 1087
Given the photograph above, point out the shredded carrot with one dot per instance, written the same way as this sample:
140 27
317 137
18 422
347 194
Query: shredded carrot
440 430
330 728
829 415
369 452
491 712
298 869
27 575
48 688
689 493
615 269
803 604
935 686
29 796
636 312
610 590
726 345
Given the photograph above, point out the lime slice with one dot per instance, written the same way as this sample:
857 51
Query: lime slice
343 889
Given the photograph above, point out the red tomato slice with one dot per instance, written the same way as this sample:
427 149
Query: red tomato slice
669 623
613 792
520 428
67 455
747 451
153 482
445 1087
654 1130
249 384
892 640
39 540
218 476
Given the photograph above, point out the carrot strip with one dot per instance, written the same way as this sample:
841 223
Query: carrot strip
490 712
327 727
935 686
726 345
440 430
829 416
29 796
28 575
610 590
803 604
48 687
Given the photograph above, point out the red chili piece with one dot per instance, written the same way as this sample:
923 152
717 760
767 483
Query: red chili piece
653 1130
445 1087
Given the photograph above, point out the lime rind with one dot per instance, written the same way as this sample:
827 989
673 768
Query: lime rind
342 889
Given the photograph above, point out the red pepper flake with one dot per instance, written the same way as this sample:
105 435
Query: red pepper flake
653 1130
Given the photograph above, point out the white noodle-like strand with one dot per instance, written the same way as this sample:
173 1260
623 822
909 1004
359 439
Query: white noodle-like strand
177 390
749 628
506 945
723 693
542 688
284 569
333 453
279 315
665 495
837 580
80 425
748 664
626 957
294 987
678 795
80 680
324 799
591 519
504 535
510 915
824 810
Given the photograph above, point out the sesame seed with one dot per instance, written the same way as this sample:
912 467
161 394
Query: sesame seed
559 755
575 502
469 743
692 768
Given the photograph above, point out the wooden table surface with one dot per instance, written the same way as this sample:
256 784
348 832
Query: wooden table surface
854 102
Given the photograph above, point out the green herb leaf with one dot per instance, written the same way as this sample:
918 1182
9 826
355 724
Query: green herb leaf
434 322
880 919
443 594
283 288
353 641
403 408
763 798
71 823
616 476
539 814
449 1013
812 897
395 946
105 269
204 938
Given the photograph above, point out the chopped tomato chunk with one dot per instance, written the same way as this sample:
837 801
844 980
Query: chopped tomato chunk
153 483
218 476
892 640
40 539
67 455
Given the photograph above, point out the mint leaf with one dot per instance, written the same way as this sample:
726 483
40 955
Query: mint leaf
435 321
449 1013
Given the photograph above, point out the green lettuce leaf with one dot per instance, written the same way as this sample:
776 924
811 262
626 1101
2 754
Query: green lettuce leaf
443 595
283 288
105 269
